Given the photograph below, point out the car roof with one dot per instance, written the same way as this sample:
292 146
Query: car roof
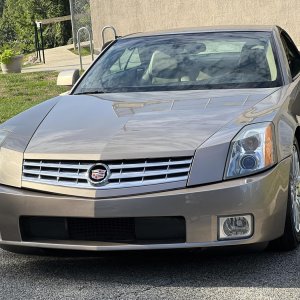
203 29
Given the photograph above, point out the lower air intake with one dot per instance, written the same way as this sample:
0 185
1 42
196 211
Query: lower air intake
148 230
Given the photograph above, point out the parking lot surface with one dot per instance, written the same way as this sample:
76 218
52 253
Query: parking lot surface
152 275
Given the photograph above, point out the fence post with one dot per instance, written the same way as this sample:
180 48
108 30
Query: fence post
73 23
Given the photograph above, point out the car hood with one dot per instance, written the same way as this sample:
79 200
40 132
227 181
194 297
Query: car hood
137 125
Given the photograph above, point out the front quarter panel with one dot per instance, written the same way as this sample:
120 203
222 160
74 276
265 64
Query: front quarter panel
286 121
11 167
20 130
210 159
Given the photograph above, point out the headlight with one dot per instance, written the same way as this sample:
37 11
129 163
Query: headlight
252 150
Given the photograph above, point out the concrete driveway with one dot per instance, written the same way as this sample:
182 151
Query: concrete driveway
60 59
154 275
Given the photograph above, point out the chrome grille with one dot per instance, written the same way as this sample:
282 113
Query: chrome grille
126 173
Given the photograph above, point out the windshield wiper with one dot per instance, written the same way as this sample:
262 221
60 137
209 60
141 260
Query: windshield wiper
91 92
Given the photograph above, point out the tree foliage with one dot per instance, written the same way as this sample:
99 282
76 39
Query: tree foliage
19 16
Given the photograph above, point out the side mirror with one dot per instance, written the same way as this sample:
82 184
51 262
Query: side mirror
68 78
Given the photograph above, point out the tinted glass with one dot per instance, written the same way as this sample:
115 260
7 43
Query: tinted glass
292 54
189 61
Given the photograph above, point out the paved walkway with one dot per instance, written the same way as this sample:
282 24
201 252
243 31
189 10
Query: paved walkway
59 59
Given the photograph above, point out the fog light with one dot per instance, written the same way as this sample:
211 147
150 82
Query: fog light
235 227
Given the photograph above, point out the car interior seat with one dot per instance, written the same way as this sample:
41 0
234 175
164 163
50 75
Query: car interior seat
253 63
163 68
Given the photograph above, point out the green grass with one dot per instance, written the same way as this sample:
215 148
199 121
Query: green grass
19 92
85 51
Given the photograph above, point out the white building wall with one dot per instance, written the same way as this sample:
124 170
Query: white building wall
129 16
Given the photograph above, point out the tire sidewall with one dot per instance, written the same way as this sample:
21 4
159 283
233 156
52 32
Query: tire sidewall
295 234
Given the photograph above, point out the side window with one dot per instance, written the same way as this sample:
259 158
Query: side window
134 60
292 54
128 60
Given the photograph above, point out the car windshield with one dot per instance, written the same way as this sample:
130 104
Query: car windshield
184 62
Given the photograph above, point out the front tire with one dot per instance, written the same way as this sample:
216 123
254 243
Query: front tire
291 236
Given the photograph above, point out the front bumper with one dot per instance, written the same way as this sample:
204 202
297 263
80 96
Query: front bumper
263 195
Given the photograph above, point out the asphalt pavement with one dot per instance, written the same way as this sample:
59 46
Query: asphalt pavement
152 275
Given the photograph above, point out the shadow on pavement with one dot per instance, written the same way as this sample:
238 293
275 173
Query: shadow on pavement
212 268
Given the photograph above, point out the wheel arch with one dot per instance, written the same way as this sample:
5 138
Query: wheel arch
297 134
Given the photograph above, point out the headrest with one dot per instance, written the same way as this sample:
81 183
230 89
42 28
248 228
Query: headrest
195 48
253 61
160 64
252 58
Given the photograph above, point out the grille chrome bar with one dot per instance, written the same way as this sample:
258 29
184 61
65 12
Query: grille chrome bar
55 165
126 173
147 174
111 166
109 185
55 174
146 164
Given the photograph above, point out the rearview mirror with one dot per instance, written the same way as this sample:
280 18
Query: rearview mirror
68 78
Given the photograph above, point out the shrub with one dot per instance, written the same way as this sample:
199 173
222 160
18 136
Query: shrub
7 56
9 50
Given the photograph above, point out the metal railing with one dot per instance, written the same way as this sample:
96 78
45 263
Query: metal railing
103 31
79 44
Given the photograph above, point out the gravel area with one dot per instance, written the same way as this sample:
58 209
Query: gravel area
152 275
